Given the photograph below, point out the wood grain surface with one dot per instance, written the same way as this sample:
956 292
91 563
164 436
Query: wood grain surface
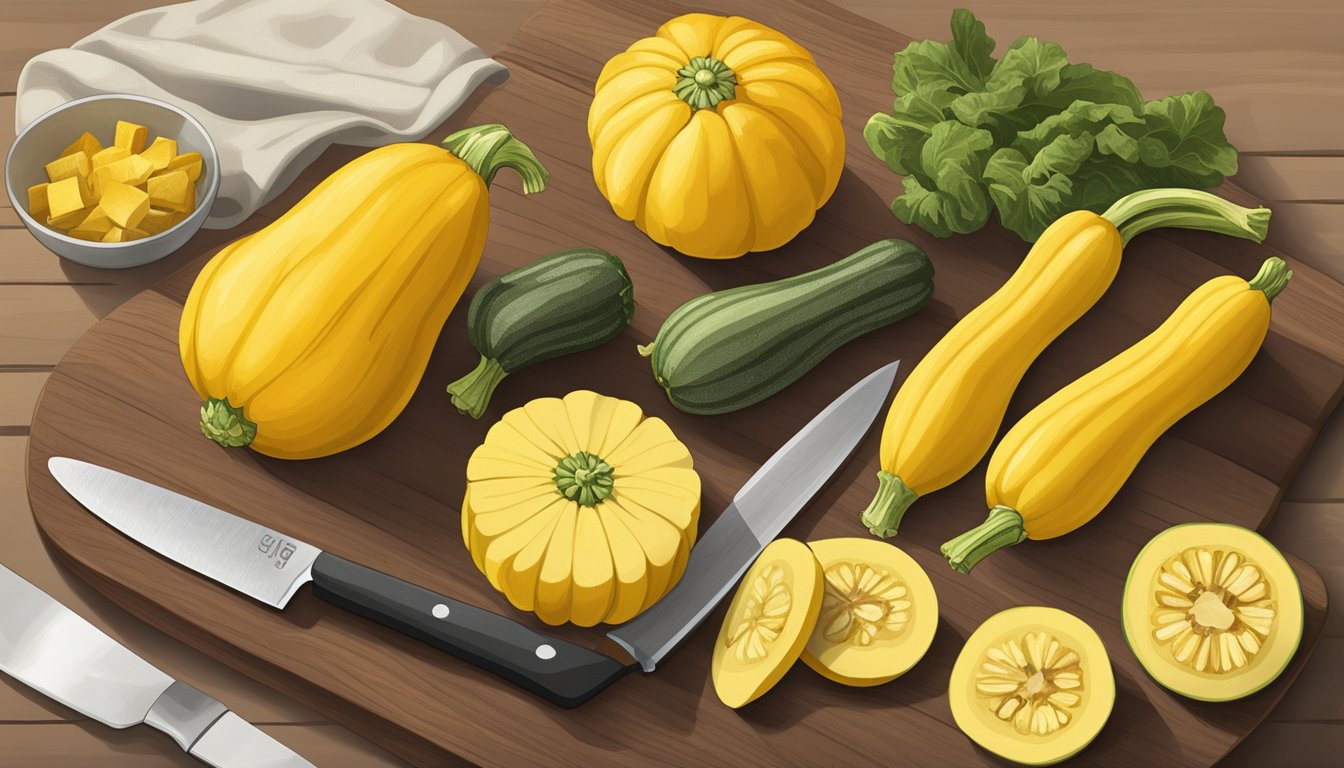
119 398
1277 67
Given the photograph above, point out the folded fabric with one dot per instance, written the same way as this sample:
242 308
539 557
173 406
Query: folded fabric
275 82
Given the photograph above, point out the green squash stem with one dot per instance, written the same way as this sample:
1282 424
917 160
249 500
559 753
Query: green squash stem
472 392
226 424
1272 278
1188 209
1003 528
487 148
705 82
883 515
584 478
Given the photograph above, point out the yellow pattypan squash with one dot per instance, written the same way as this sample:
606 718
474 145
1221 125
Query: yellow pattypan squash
716 136
580 509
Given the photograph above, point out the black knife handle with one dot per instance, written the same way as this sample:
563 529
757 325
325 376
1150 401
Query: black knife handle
559 671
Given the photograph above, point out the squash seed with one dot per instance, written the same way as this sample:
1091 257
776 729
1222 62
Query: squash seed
861 601
767 609
1032 683
1213 609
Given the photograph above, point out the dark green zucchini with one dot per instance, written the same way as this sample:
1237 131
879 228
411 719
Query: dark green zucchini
727 350
560 304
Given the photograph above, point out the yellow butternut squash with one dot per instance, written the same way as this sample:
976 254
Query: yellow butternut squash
1065 460
308 337
945 416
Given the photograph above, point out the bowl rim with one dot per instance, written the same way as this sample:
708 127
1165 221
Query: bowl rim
206 202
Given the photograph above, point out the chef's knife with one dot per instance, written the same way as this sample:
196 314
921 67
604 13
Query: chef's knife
271 567
51 649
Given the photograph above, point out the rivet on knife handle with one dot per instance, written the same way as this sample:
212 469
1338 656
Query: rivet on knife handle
562 672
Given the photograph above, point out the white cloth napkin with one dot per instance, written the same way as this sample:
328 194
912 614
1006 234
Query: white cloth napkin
275 82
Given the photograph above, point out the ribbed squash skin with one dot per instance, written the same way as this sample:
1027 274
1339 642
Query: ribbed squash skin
945 416
730 349
567 302
716 180
1067 458
320 325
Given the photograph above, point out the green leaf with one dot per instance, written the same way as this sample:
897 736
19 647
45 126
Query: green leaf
972 44
898 145
984 108
951 197
1032 134
1184 137
1082 117
1082 82
1030 63
1024 207
936 66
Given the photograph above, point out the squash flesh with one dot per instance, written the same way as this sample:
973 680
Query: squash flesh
1212 611
1033 685
768 623
879 612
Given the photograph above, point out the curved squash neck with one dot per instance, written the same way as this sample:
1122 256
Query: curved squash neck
487 148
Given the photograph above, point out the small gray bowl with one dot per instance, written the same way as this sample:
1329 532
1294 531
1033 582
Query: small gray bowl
44 138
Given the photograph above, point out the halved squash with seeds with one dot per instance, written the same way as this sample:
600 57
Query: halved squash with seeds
1033 685
770 619
878 612
1212 611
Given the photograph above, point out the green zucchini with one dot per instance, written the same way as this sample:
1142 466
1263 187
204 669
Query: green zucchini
560 304
730 349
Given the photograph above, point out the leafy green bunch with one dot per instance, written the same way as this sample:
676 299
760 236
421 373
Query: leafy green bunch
1033 135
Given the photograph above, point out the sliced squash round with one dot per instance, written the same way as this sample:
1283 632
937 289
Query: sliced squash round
878 612
1212 611
1032 685
768 622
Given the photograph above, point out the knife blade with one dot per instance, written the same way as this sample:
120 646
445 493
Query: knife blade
271 567
783 485
53 650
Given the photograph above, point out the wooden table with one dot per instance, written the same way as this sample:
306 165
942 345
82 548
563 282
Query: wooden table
1276 68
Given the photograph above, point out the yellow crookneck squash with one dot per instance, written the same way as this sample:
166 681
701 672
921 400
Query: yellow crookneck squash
944 418
308 337
1068 457
716 136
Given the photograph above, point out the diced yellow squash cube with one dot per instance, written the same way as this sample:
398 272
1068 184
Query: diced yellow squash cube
97 221
133 170
135 234
110 155
160 220
115 235
68 166
68 221
37 201
173 191
160 153
125 205
86 234
67 196
131 137
87 144
190 162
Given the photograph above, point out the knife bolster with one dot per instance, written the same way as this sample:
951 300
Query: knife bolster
185 714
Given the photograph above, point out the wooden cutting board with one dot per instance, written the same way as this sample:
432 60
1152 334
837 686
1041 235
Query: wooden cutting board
120 399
